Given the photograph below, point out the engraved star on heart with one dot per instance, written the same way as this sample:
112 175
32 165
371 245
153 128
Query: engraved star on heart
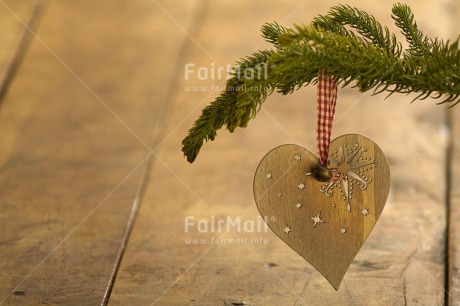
324 208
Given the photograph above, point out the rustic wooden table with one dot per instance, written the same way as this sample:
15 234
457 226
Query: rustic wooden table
95 191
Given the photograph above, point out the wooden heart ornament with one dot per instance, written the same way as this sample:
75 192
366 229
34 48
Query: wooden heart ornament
324 222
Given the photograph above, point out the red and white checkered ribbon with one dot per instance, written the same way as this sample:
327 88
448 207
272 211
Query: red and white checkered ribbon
327 99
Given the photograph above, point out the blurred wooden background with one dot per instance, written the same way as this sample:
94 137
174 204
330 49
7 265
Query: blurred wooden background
94 188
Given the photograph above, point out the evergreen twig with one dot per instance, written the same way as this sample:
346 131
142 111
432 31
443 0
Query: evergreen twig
372 58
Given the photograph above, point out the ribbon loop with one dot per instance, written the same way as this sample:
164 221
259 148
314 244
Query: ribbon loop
327 99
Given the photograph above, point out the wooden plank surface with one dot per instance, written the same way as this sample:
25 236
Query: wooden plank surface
14 37
453 169
73 128
454 190
454 228
402 261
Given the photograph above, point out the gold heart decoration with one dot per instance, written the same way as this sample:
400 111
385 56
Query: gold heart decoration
324 222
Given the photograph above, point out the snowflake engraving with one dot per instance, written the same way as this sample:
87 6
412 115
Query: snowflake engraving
349 167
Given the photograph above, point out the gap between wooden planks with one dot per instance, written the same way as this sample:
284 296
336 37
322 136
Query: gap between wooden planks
403 259
17 36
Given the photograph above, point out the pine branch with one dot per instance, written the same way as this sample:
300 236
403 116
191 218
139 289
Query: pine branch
365 25
234 107
405 20
372 58
271 32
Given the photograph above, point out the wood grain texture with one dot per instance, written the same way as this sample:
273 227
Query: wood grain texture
454 217
402 261
15 16
453 168
71 127
344 210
